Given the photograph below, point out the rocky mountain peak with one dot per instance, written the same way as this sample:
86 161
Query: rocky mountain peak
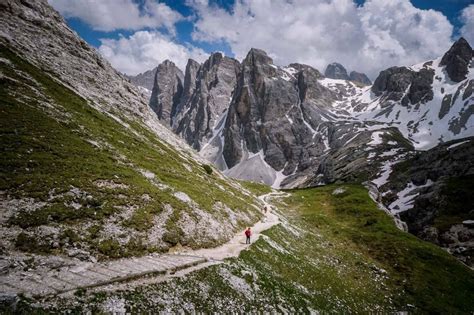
336 71
457 60
359 77
393 83
303 67
167 64
215 58
145 79
213 83
192 68
167 91
189 85
256 55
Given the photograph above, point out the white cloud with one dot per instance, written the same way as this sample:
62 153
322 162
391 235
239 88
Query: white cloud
144 50
110 15
369 38
467 17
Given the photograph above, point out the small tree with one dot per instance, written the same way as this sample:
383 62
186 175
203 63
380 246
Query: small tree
207 168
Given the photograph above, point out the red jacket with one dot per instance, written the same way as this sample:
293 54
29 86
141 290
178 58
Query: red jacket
248 233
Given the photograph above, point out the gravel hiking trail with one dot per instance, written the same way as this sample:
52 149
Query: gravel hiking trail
151 268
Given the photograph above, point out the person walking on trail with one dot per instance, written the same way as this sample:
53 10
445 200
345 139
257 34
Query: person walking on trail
248 233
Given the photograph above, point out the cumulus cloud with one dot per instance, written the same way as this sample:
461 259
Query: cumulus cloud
110 15
366 38
467 17
144 50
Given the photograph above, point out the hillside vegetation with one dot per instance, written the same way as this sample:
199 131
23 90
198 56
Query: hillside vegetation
334 251
76 178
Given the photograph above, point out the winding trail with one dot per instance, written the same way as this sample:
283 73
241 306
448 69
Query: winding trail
233 247
39 283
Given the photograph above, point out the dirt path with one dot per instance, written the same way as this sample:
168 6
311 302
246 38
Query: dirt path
164 266
233 247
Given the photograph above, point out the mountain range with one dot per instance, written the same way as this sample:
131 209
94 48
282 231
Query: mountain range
293 127
121 198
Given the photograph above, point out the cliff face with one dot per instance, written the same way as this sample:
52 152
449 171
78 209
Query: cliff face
167 91
145 80
292 126
207 104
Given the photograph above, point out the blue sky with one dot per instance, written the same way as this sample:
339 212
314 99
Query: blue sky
184 28
379 34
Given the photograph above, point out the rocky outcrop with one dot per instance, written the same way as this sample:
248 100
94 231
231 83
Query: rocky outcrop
435 188
359 77
396 81
246 116
281 129
167 91
336 71
189 85
212 92
457 60
145 79
265 115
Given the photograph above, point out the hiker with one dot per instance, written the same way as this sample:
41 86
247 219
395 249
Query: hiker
247 234
265 209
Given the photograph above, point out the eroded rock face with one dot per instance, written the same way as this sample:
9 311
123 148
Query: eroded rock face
457 60
212 92
265 114
145 79
441 181
167 91
395 81
189 85
336 71
283 118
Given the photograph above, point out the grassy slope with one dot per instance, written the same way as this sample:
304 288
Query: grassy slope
46 151
336 253
256 188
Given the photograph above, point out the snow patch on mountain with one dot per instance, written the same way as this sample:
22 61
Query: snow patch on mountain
213 149
406 197
425 124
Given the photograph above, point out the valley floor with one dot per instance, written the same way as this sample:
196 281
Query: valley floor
334 251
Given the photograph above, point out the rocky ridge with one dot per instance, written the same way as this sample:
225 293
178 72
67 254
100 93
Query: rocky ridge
206 105
145 79
167 91
338 72
430 191
279 117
